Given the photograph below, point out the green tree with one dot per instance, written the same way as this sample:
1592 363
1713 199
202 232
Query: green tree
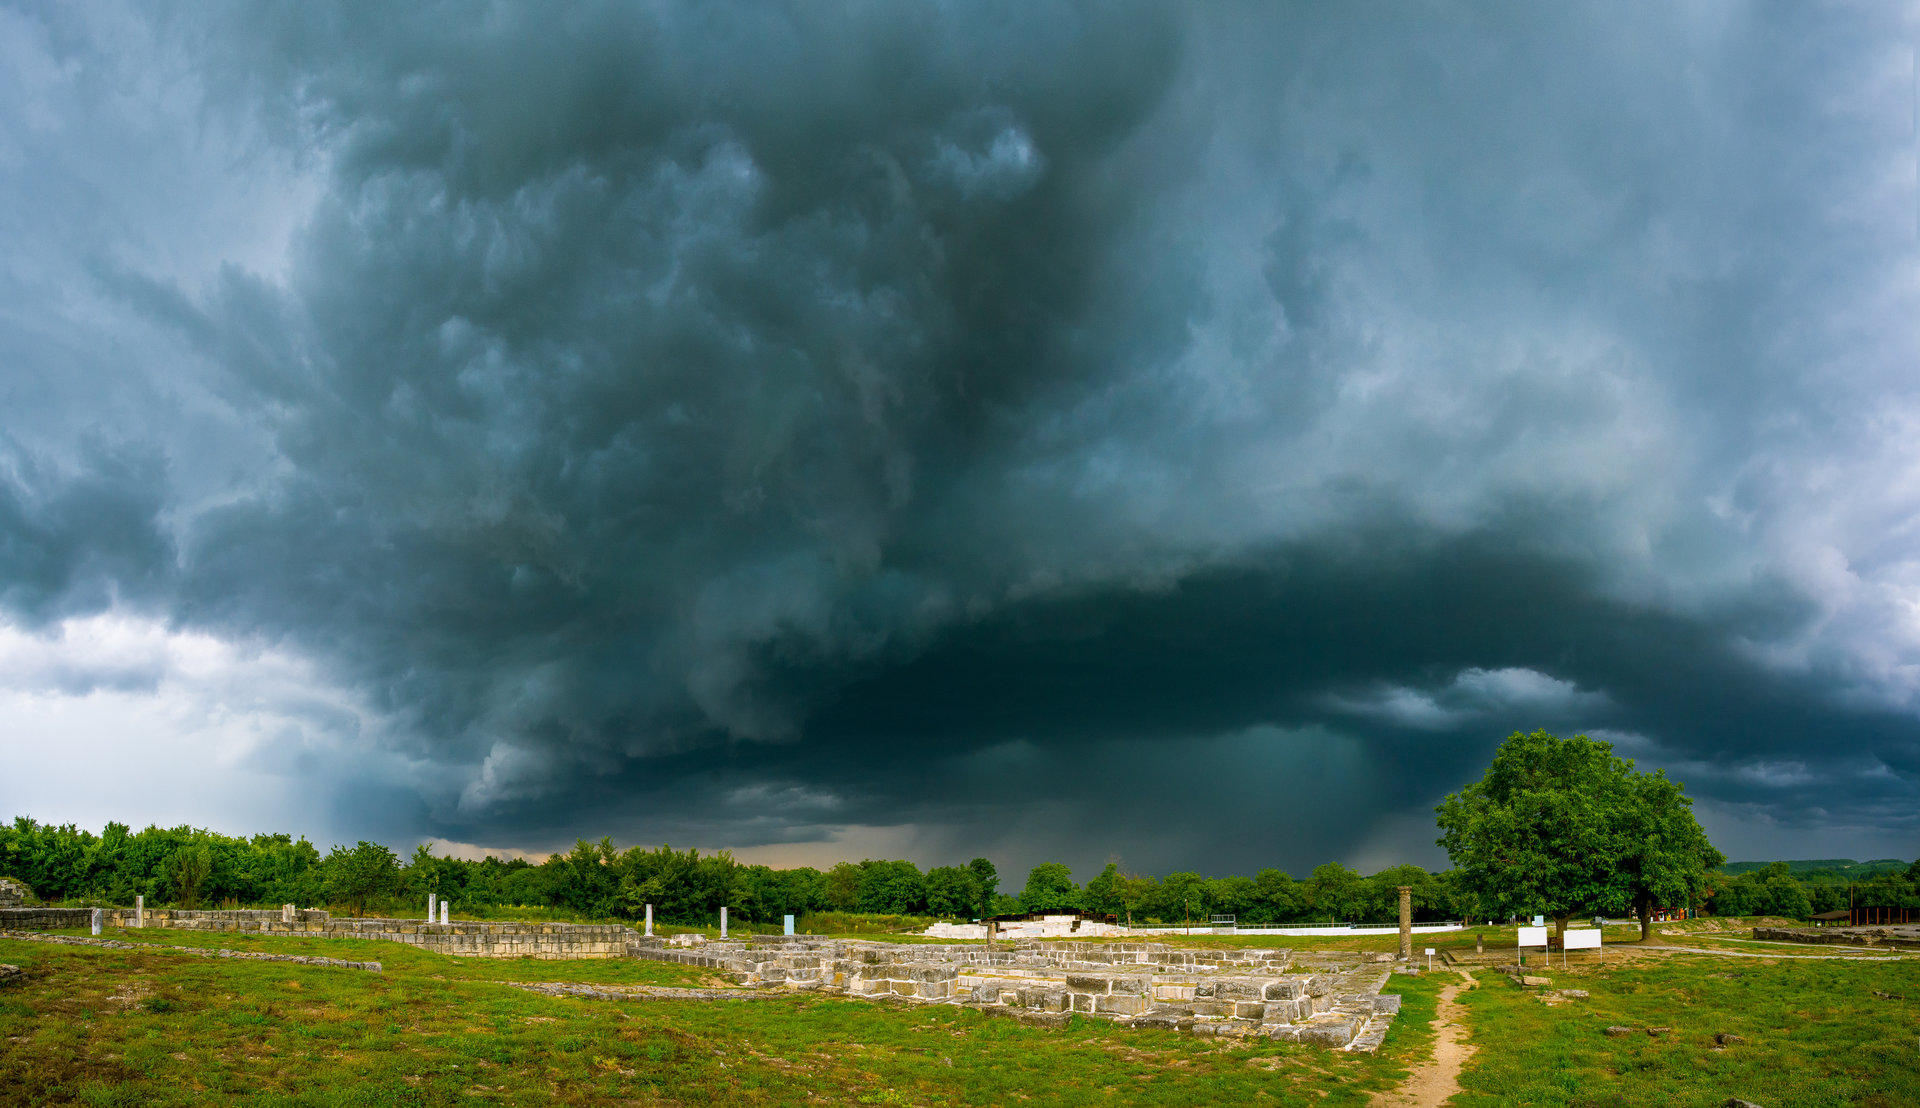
1050 888
1562 827
1668 859
357 875
1336 892
989 879
1103 893
953 891
187 870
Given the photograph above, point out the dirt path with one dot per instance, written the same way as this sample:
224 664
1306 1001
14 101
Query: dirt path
1435 1082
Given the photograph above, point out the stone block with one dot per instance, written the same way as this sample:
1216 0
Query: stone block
1239 988
1210 1008
1249 1009
1333 1033
1096 986
1080 1002
1387 1003
1120 1005
1169 1019
1284 990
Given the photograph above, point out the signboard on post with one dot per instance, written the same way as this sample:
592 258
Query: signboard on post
1533 936
1583 939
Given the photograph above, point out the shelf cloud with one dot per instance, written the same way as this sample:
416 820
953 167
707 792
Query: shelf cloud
1195 435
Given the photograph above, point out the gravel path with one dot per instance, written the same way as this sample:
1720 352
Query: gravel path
1438 1080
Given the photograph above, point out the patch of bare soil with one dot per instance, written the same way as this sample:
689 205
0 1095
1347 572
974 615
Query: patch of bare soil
1435 1082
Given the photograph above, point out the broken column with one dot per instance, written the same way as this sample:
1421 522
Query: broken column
723 922
430 900
649 921
286 914
140 911
446 911
96 921
1406 922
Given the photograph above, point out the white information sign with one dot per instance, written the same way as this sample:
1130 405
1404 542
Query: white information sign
1583 940
1533 936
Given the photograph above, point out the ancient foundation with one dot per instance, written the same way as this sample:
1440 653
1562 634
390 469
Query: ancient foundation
1892 937
1326 999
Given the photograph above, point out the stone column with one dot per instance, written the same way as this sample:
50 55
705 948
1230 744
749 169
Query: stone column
649 921
723 922
1406 922
446 912
96 921
430 899
140 911
286 914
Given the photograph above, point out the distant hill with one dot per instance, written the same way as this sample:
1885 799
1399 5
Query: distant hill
1832 869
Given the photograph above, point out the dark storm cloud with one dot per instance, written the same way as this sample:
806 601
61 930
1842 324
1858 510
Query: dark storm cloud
1196 434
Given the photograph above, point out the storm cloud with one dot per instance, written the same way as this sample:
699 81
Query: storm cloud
1193 435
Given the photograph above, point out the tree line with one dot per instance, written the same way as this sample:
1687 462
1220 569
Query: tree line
191 867
1560 827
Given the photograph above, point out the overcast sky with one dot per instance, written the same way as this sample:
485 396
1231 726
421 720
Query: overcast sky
1187 434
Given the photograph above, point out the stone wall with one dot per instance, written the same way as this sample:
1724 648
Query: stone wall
44 919
477 939
12 893
473 939
1897 937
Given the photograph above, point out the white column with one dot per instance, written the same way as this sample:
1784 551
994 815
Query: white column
96 921
723 922
140 911
430 899
649 921
446 912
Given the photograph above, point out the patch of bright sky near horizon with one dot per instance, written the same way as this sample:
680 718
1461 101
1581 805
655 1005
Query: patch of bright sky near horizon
1192 437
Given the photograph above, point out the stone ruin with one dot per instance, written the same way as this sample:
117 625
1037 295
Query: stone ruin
12 893
1325 999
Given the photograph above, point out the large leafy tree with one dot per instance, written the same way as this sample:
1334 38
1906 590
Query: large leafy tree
1050 888
1564 827
362 873
1668 858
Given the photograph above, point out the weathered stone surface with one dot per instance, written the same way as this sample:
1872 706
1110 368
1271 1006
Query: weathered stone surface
10 974
1387 1002
1725 1039
1736 1102
1249 1009
1658 1030
1098 986
1171 1019
1619 1032
1120 1005
1574 994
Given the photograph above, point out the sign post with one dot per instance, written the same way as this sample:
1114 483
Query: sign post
1531 936
1429 959
1583 939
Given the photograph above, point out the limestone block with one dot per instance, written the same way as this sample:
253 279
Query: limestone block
1334 1032
1239 988
1131 986
1097 986
1080 1002
1121 1005
1249 1009
1387 1003
934 990
1170 1019
1285 989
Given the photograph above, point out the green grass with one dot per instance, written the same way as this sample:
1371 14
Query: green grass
108 1027
1815 1035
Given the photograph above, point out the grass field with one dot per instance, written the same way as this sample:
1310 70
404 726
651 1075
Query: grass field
125 1027
113 1027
